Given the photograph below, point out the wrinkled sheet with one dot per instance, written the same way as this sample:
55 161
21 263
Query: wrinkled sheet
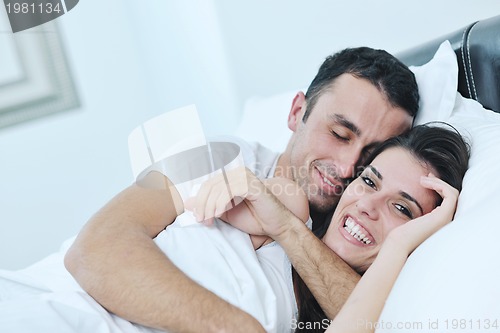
45 298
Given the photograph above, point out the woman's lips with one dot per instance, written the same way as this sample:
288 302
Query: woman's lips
355 233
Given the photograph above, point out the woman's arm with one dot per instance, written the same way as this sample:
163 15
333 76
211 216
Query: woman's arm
115 260
217 196
286 191
363 308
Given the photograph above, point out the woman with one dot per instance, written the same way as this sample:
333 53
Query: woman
442 154
407 192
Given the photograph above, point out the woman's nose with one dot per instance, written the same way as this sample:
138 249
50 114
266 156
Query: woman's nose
369 205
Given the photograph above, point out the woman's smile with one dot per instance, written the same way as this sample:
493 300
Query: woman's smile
354 232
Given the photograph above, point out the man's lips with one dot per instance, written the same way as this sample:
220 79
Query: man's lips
328 184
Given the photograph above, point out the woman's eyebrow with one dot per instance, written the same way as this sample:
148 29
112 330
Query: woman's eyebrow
409 197
375 172
401 193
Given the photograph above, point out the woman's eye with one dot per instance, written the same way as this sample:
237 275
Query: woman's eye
404 210
368 181
340 137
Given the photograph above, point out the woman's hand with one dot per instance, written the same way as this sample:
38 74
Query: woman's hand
413 233
223 192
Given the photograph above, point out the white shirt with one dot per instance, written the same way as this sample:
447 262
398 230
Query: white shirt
221 258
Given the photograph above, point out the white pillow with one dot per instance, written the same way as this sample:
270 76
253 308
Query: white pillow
264 119
451 280
437 85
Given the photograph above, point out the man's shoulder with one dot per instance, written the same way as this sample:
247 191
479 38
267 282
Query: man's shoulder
258 158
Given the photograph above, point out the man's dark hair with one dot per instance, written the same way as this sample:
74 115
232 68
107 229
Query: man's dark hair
383 70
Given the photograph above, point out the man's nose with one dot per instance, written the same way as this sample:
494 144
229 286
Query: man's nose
347 163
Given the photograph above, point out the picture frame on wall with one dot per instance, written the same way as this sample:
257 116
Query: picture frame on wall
35 78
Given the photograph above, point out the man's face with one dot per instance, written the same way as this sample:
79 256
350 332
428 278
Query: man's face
349 117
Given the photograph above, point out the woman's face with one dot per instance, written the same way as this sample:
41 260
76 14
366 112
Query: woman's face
387 194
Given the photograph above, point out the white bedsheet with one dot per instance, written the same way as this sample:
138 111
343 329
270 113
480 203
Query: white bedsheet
44 298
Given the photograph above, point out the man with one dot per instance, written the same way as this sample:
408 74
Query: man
358 98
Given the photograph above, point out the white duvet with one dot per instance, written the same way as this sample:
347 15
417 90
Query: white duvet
45 298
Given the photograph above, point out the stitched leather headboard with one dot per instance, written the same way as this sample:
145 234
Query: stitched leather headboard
478 53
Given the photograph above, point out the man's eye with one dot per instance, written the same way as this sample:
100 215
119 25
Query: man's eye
404 210
368 181
340 137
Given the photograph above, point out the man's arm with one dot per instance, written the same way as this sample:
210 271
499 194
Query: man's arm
116 261
328 277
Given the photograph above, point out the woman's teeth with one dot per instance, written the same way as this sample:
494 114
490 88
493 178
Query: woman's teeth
354 229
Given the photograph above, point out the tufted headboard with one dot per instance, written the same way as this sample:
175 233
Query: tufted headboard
477 47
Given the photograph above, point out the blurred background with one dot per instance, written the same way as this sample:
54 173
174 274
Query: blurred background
131 60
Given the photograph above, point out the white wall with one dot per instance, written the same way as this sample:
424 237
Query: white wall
135 59
278 45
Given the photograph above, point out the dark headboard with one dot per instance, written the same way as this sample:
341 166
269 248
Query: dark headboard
478 53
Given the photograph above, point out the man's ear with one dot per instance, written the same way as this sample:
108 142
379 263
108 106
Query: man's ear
297 111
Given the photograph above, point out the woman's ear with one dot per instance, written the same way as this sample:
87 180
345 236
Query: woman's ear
297 111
